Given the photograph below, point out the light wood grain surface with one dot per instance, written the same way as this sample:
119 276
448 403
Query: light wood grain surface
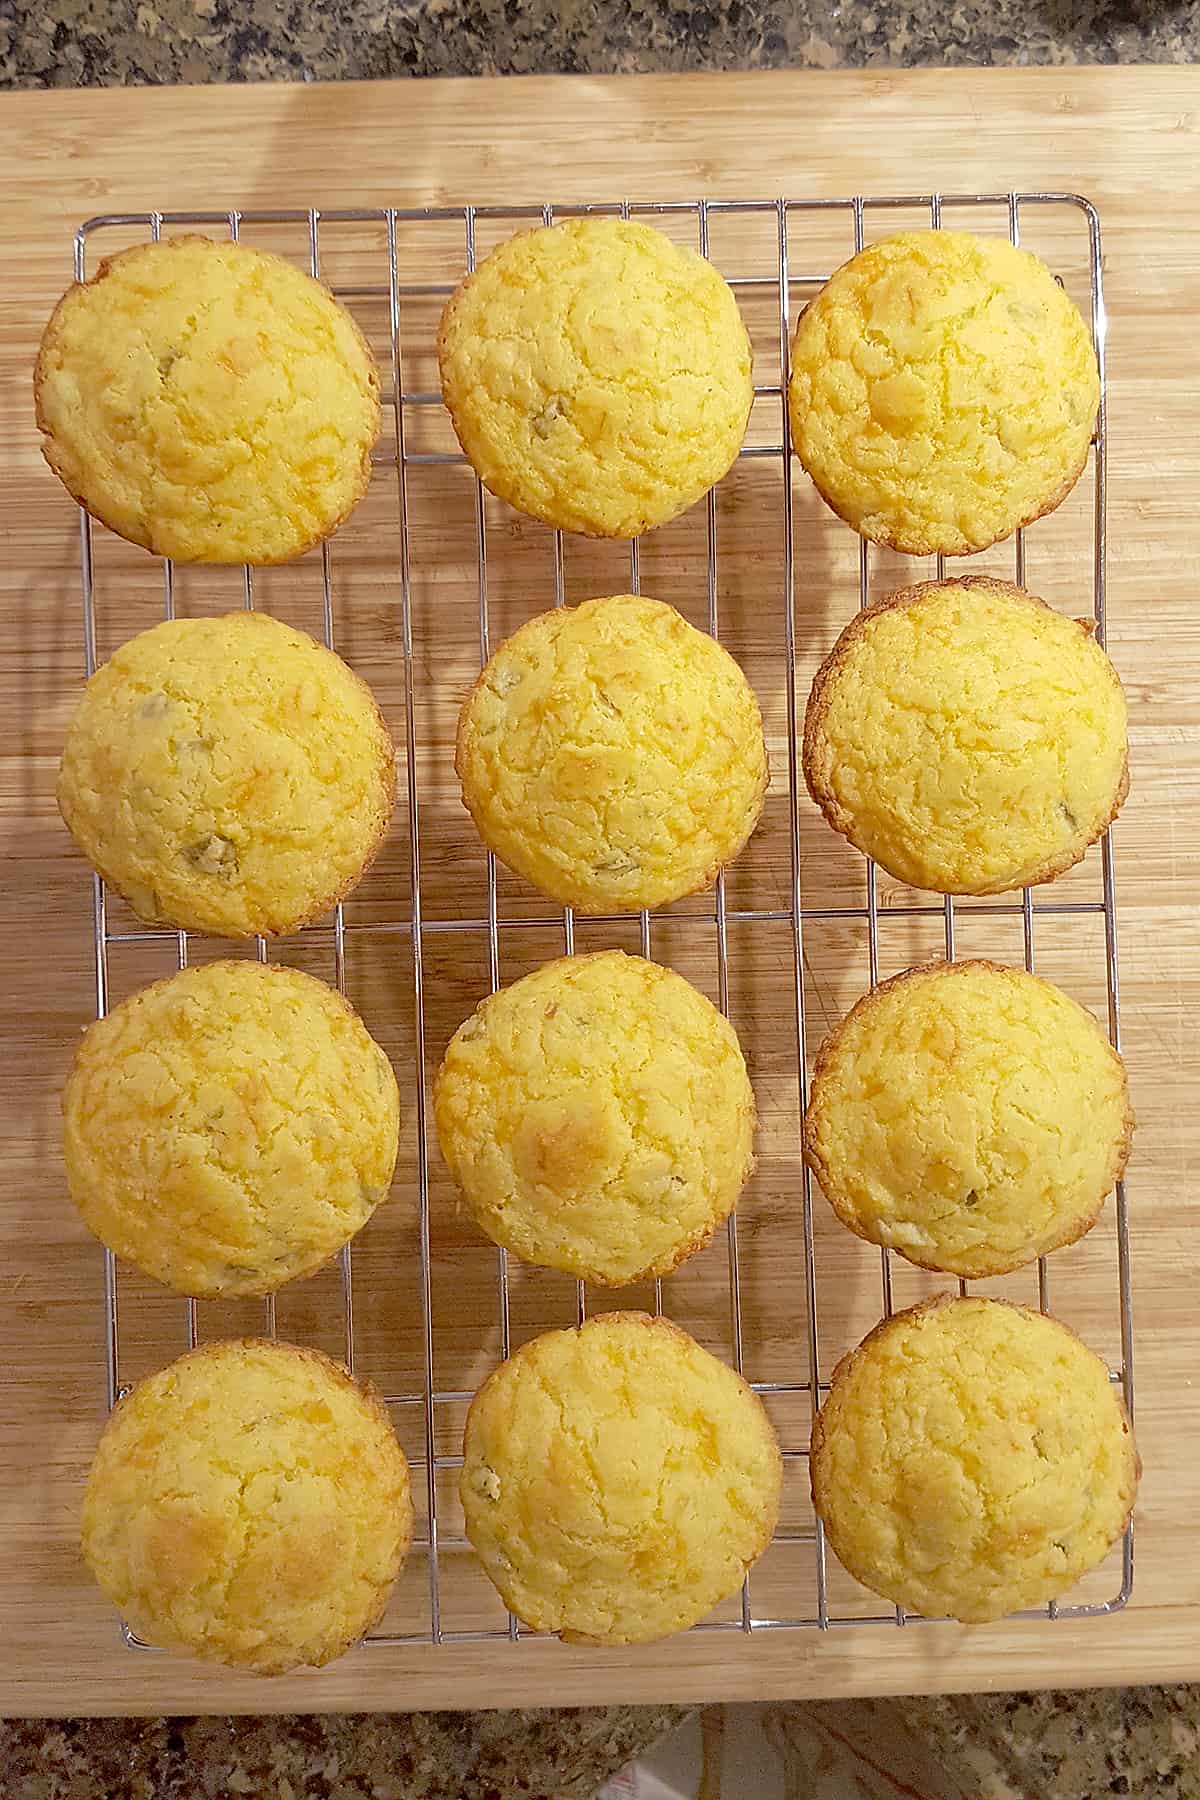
1125 137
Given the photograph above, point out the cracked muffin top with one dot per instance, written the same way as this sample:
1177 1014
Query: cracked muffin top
598 376
943 391
229 1128
970 1116
597 1116
968 737
972 1458
208 401
249 1504
613 755
618 1480
228 775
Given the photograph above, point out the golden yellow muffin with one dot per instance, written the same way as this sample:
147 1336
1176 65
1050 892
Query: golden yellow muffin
228 775
618 1481
230 1128
969 1116
972 1458
968 737
208 401
597 1117
249 1504
943 391
613 755
597 375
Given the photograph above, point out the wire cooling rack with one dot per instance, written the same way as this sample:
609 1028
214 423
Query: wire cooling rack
448 592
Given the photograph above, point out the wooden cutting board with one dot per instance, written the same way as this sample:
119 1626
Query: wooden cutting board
1125 137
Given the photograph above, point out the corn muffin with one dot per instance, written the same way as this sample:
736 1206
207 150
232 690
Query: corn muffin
597 375
597 1117
968 737
943 391
228 775
208 401
249 1505
613 755
969 1116
229 1128
972 1458
618 1481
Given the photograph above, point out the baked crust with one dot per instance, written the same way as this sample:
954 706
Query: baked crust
989 1262
90 494
943 1522
819 706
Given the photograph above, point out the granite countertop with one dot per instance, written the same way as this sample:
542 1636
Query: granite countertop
1140 1742
541 1754
73 43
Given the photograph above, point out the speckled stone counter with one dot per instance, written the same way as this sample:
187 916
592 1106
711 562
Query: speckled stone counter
550 1754
1142 1742
71 43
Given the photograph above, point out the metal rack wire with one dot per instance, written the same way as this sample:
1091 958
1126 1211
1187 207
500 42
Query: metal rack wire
784 286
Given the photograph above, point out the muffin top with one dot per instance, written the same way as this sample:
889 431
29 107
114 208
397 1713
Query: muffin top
229 1128
943 391
249 1504
968 737
598 376
597 1116
229 775
613 755
972 1458
617 1481
208 401
969 1116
